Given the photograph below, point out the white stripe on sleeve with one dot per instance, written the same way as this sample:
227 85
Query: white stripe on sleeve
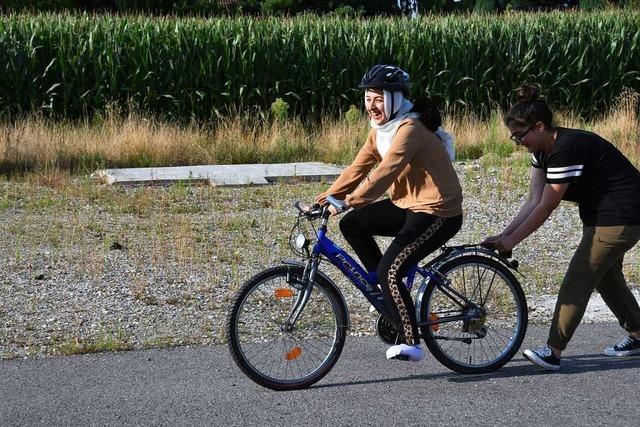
563 174
565 168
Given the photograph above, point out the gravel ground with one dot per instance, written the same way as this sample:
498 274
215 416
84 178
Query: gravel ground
87 267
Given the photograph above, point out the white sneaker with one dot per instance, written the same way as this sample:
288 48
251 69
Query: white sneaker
372 309
412 353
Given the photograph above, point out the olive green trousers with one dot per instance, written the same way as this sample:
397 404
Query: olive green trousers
596 264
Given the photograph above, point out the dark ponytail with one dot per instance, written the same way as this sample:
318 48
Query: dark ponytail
429 113
529 108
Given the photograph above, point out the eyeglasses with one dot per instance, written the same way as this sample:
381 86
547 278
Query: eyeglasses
518 138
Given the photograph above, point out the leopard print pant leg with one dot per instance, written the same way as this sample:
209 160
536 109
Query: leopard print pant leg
394 283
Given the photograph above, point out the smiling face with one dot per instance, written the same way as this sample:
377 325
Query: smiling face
533 138
374 103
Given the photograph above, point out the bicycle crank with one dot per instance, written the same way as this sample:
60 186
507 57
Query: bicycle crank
387 332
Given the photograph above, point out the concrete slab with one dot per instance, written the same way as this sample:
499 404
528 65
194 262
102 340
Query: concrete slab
220 175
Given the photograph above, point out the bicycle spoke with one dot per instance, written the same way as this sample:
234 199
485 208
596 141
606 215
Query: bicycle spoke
483 301
275 353
480 277
306 361
489 336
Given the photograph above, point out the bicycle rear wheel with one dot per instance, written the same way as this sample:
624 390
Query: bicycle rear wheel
274 355
486 341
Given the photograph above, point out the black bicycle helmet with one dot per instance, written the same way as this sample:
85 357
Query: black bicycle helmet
388 77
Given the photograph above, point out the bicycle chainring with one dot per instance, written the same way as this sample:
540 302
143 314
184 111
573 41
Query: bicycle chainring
387 332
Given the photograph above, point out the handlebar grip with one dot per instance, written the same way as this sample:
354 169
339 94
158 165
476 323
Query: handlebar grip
340 205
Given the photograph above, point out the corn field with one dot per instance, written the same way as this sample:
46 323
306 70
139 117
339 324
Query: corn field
77 66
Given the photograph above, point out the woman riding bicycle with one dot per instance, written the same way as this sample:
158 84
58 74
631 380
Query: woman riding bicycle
580 166
425 206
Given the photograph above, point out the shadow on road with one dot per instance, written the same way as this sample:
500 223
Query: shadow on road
386 380
570 365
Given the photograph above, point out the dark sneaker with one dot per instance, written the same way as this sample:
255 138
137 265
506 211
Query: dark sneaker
544 357
626 347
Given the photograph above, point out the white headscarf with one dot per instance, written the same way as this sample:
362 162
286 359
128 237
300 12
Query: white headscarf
398 108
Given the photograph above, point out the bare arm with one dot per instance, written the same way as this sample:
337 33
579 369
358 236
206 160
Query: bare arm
551 198
536 187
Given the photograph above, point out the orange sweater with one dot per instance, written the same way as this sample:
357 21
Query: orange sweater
416 170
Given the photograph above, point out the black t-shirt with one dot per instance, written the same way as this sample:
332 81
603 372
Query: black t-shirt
601 179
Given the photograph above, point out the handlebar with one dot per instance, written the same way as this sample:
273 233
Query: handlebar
317 211
340 205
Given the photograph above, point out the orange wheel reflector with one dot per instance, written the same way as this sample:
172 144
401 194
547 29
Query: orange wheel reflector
294 353
284 293
435 327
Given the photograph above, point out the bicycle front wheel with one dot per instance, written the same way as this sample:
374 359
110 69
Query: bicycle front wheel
487 340
270 352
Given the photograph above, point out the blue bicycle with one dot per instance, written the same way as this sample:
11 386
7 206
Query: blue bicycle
288 324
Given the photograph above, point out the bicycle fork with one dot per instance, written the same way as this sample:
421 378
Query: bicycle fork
307 281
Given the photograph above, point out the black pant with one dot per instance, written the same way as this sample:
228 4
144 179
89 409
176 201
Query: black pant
417 234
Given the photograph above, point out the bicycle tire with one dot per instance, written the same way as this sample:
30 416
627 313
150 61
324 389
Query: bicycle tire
235 339
432 334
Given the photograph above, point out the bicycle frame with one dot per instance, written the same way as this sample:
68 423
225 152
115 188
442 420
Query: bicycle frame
367 282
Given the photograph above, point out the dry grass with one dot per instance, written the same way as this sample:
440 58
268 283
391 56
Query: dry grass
621 126
53 151
40 146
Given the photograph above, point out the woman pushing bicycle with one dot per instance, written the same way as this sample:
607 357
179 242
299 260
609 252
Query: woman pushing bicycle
580 166
424 210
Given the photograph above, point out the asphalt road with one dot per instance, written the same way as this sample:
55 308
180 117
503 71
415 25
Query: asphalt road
203 386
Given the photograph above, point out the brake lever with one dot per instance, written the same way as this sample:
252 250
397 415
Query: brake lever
314 210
